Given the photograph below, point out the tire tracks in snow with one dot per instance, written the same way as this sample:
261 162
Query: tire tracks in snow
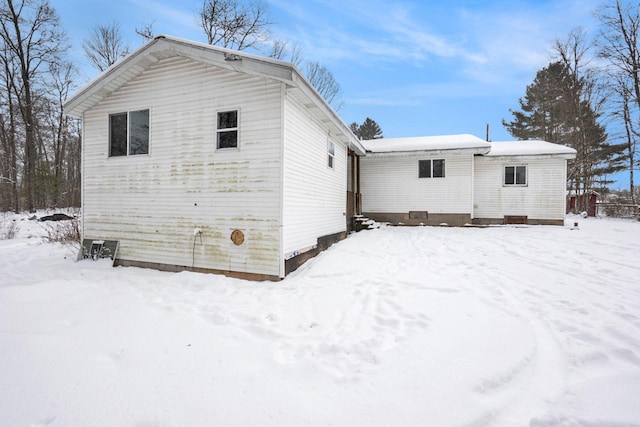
538 377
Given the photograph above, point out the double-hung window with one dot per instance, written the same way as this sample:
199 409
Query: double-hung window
227 129
431 168
331 152
515 175
129 133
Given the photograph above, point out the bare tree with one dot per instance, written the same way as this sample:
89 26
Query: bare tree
8 135
105 46
146 31
233 24
318 75
618 43
31 37
63 77
280 49
573 51
581 115
324 82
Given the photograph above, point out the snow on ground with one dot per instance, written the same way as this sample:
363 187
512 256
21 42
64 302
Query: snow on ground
425 326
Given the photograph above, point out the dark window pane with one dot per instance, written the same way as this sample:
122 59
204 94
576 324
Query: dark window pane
228 139
227 119
424 169
509 175
521 175
118 134
139 132
331 150
438 168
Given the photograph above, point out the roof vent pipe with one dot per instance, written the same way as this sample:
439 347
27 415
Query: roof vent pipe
231 57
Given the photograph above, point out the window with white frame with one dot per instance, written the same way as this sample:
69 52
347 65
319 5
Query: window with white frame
331 152
129 133
515 175
227 129
433 168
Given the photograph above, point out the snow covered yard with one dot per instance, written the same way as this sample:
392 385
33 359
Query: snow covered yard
498 326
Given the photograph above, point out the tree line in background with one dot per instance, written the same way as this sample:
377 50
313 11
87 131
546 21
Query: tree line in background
39 144
590 87
587 86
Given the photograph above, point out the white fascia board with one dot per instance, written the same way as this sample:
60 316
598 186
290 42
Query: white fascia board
527 157
165 46
311 93
430 153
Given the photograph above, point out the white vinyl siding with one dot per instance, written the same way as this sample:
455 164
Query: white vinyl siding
391 184
314 194
543 197
153 203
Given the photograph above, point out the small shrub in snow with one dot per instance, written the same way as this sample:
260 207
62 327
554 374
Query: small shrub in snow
9 227
63 231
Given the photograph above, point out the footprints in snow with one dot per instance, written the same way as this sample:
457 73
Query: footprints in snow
351 344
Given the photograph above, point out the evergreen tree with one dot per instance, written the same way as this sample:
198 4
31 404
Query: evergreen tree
354 128
541 111
369 129
557 107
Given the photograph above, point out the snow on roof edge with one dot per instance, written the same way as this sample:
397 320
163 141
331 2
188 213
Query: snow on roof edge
425 143
466 142
528 148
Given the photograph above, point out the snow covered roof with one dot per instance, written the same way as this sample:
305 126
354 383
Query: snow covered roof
427 143
530 148
467 143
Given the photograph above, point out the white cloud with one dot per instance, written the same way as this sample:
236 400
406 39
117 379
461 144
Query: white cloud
519 38
488 42
371 31
422 93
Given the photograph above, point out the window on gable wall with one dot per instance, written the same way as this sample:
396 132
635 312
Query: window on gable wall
431 168
331 152
227 129
515 175
129 133
438 168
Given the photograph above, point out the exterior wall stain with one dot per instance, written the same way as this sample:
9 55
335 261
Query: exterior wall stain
201 187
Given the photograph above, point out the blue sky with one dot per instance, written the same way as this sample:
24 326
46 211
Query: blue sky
415 67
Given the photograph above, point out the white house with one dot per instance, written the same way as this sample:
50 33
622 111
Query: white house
461 179
197 157
521 182
423 180
202 158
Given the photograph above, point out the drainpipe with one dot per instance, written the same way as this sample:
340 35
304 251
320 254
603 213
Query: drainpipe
473 183
358 195
352 154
